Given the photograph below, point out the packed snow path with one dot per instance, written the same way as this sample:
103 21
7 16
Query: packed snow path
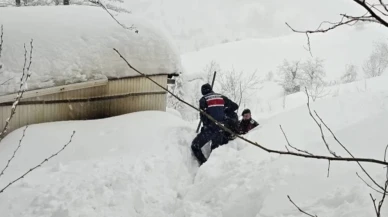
140 164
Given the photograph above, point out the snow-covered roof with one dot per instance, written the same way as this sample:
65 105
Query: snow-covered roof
75 43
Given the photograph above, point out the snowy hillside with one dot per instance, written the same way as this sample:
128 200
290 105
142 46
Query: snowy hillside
196 24
113 167
336 48
264 56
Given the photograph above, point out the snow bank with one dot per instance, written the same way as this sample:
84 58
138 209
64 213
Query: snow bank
141 165
75 44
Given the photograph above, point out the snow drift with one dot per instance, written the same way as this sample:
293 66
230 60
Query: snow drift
75 44
115 167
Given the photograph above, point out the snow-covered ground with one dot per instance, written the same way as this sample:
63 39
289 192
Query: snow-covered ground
141 164
114 167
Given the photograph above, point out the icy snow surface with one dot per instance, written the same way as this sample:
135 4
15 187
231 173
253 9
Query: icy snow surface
140 164
75 44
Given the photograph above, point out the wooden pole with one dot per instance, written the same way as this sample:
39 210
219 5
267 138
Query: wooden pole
214 78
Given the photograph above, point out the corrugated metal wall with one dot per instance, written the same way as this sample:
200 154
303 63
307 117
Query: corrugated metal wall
119 96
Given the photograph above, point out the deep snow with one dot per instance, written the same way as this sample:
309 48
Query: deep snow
115 168
75 43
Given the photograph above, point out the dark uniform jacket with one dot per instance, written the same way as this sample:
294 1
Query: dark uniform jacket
216 105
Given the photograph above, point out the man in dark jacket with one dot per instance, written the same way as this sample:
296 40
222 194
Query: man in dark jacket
231 122
247 123
214 105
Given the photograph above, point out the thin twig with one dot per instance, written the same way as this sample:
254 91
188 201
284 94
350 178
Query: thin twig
374 204
27 74
289 144
39 165
328 170
132 27
320 127
7 81
375 161
300 210
378 191
1 39
384 5
14 153
369 16
375 6
383 197
344 147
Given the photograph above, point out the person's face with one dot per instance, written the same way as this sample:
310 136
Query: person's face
247 116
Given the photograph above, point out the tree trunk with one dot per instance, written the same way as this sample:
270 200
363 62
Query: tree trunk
18 3
66 2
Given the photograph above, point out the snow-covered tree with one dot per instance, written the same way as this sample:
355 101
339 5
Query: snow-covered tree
377 62
289 74
312 78
209 69
350 74
236 85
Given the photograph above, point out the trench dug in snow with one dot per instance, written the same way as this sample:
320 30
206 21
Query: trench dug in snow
133 165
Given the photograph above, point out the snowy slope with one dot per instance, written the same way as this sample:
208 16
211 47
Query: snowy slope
336 48
75 44
265 55
115 168
195 24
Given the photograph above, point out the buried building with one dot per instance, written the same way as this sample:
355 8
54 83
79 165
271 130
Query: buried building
75 73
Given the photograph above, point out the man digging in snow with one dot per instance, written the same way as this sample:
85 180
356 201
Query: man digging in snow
215 105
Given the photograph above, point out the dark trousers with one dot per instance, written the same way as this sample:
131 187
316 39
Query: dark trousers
207 134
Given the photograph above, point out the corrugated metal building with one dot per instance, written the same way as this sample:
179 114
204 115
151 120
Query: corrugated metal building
112 94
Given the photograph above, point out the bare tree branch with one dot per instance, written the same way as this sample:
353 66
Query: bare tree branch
300 210
375 6
371 12
320 127
14 153
374 204
383 197
343 146
7 81
132 27
328 170
380 192
39 165
289 144
371 16
1 39
375 161
384 5
26 73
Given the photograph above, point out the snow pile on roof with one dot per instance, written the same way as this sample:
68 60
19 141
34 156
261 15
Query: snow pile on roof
114 167
75 44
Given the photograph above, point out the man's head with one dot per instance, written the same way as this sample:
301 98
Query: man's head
206 89
246 114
